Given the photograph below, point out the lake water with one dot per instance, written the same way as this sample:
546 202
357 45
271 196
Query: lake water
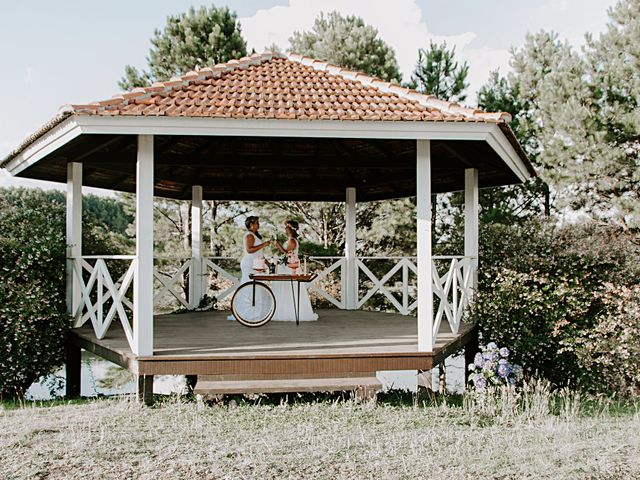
100 377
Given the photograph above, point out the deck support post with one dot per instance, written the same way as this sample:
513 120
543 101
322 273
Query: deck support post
425 282
73 366
351 274
442 378
143 281
470 350
144 389
74 232
196 284
471 206
191 382
424 387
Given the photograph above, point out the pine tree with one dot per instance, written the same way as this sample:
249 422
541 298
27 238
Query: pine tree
580 119
510 204
438 73
197 38
349 43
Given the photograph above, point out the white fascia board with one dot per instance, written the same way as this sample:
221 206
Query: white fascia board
95 124
498 141
43 146
284 128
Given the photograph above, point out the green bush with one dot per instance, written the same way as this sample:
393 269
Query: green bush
610 350
33 319
544 292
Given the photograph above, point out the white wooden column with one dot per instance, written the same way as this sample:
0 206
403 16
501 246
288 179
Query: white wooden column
143 284
196 289
425 282
351 270
74 232
471 206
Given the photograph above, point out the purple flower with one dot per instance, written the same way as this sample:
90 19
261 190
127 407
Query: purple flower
480 383
489 366
491 346
490 356
503 371
478 361
502 361
504 352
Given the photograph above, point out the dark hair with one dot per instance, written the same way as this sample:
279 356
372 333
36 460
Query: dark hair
250 221
293 225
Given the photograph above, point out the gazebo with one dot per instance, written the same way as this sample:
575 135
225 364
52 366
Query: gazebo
271 127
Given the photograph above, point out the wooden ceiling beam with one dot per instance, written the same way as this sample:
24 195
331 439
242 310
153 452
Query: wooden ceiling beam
281 161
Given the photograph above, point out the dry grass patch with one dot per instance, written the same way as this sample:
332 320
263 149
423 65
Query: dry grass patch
330 439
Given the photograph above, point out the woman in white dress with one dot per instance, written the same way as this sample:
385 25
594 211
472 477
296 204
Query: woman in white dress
285 306
253 259
252 262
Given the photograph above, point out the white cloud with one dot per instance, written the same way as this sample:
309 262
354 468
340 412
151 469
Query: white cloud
28 75
400 24
558 5
481 62
6 147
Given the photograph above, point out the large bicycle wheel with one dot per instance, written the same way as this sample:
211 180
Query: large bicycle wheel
253 304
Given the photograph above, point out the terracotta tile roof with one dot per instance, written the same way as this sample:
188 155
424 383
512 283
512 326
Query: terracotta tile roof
283 87
276 86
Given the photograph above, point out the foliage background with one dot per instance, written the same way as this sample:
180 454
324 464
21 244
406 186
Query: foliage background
33 318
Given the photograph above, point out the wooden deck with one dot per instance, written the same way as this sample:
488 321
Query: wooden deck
341 341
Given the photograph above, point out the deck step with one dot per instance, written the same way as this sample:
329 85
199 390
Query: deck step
365 386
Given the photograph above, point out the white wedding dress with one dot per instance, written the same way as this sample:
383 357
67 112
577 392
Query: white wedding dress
285 295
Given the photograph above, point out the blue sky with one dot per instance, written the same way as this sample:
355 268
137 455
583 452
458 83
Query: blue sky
73 51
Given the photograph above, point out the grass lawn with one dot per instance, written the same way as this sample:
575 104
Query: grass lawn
323 438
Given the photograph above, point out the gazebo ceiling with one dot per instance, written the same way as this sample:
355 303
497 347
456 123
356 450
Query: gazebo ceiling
278 94
262 168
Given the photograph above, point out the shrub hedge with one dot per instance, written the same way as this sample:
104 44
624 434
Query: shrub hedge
33 319
555 296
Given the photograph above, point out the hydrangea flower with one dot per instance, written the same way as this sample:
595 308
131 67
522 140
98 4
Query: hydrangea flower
478 361
480 383
491 367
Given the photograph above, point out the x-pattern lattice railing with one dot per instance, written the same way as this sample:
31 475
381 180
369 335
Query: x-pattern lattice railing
168 281
452 290
101 299
400 265
212 266
321 284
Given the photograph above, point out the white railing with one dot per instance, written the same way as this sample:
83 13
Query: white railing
101 298
452 289
170 280
330 289
400 293
388 283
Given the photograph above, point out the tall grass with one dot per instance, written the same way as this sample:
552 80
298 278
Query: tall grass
531 433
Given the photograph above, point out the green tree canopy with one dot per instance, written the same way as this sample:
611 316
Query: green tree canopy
514 203
438 73
580 121
197 38
33 318
349 43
